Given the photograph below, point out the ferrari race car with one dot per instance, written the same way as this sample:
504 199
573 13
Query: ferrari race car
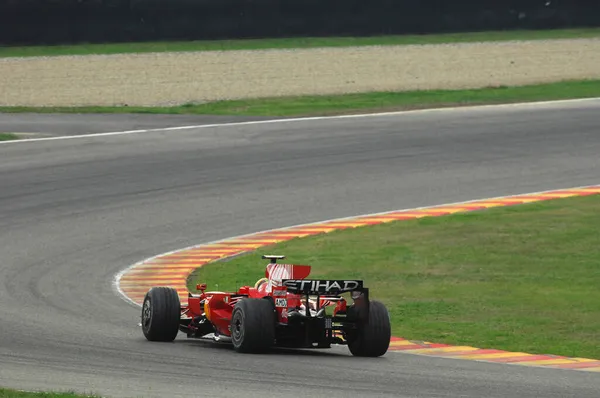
284 309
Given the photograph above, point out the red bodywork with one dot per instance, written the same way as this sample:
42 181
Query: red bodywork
217 307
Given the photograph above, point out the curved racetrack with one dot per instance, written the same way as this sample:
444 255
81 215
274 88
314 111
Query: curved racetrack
75 212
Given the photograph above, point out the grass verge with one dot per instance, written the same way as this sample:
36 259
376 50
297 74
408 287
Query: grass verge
284 43
8 137
521 278
352 103
8 393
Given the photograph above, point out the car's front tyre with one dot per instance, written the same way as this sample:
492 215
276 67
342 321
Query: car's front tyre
161 313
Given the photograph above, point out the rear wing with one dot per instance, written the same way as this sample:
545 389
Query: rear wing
323 287
333 287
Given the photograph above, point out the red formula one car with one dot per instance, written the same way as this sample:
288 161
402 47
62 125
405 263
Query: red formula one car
282 310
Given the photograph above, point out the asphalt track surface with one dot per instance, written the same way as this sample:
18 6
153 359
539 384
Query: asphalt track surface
75 212
49 125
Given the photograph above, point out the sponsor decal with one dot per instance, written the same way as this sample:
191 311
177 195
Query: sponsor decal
280 293
280 302
321 286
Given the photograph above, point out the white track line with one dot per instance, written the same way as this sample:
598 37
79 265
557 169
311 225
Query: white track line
304 119
118 276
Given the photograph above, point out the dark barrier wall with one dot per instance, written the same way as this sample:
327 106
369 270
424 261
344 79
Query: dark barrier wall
73 21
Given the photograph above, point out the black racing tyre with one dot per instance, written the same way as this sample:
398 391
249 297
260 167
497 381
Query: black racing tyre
372 339
161 313
253 325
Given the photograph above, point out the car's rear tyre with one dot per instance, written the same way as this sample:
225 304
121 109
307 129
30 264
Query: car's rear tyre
372 339
253 325
161 313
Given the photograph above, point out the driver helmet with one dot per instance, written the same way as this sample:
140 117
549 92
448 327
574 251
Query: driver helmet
261 284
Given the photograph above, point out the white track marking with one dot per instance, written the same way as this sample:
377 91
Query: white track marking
118 276
304 119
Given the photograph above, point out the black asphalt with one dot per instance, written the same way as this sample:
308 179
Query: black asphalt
49 125
75 212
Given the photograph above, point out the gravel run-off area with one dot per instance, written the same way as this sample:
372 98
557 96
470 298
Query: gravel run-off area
155 79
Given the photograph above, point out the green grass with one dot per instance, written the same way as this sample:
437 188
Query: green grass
522 278
7 393
311 42
352 103
8 137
